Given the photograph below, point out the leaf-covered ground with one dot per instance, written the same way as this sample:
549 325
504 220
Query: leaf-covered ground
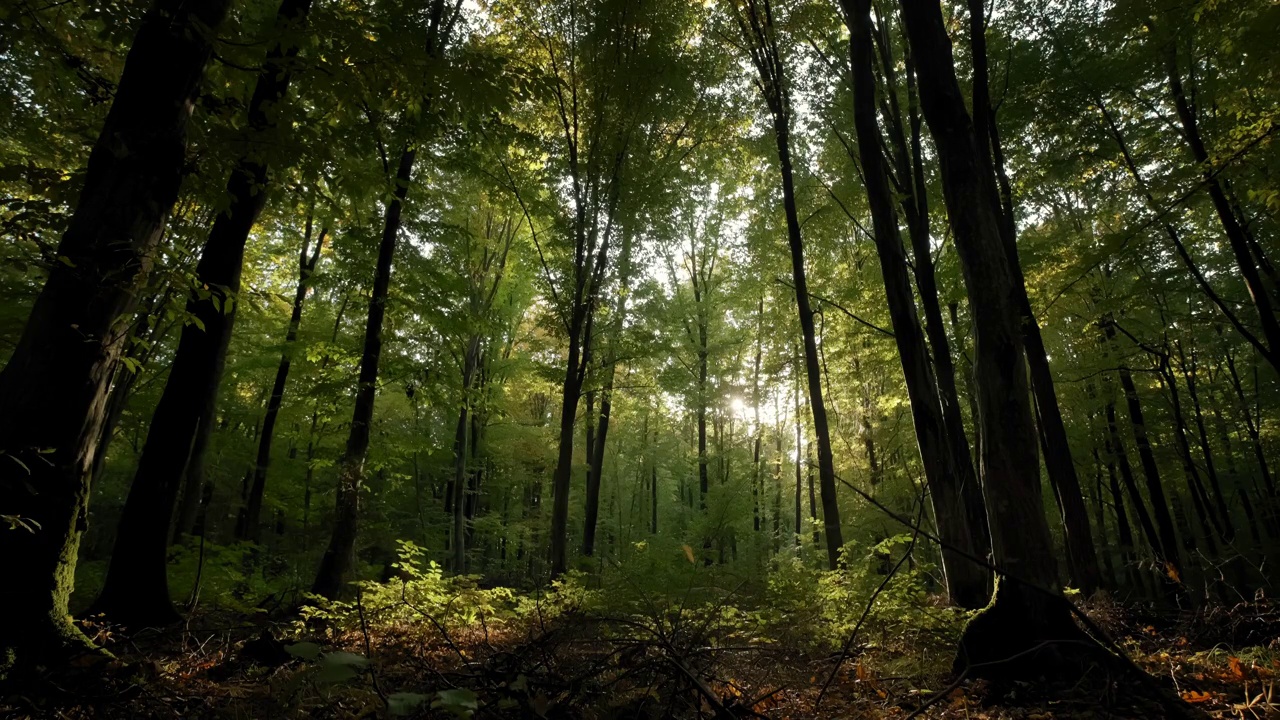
466 654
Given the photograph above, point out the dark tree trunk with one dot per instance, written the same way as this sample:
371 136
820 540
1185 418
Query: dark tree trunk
1115 447
54 387
1027 607
915 208
945 454
798 464
458 500
136 590
340 553
653 483
1082 559
338 556
1168 547
561 480
1123 529
1237 234
606 400
306 267
757 477
756 23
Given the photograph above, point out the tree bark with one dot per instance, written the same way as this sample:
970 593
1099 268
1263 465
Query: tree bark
136 590
54 386
756 23
338 556
1027 607
1168 548
606 398
944 461
306 267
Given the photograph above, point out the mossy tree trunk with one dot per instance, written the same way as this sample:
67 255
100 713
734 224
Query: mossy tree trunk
54 388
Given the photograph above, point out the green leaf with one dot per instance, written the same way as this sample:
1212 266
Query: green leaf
345 659
335 673
303 650
404 703
460 702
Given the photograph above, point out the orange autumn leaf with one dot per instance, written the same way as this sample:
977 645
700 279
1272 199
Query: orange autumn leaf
1236 668
1195 696
688 553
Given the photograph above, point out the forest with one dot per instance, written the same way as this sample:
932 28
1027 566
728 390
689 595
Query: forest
639 358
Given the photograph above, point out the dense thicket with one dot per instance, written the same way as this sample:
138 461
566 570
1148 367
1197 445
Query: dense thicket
549 287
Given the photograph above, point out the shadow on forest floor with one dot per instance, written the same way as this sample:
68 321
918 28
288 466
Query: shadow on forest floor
571 663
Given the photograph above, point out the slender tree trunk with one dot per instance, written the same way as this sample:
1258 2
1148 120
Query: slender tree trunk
306 266
1252 427
1206 451
1199 498
798 463
653 483
945 455
756 23
458 504
1100 523
54 387
136 590
606 399
1237 235
1123 529
1115 447
1168 548
1020 617
757 477
338 556
563 476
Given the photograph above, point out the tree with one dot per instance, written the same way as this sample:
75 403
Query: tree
334 566
1027 607
967 581
755 23
55 384
136 591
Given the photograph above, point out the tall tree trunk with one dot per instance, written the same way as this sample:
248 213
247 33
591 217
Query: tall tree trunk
53 388
338 556
136 590
563 475
1252 426
799 526
1100 523
1119 457
1206 451
1082 558
606 399
757 477
1199 498
306 267
458 502
1027 607
915 208
755 21
1123 529
1237 235
1168 548
946 464
653 482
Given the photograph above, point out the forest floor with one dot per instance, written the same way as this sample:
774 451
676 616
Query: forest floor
1223 661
